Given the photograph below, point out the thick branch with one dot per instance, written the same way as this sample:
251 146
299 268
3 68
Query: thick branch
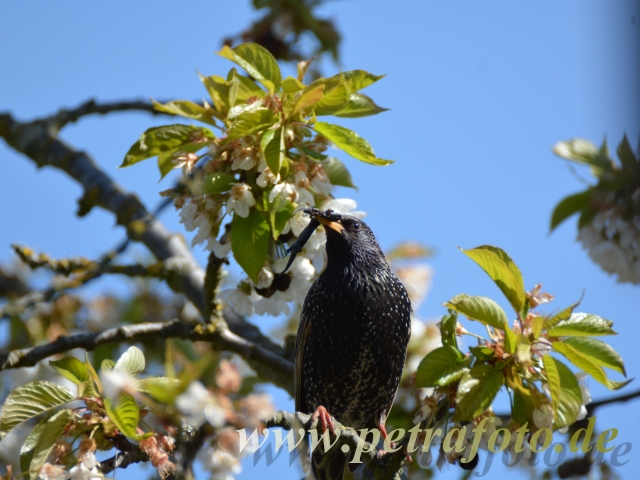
267 364
385 467
619 399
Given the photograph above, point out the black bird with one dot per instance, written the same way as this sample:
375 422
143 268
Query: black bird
352 338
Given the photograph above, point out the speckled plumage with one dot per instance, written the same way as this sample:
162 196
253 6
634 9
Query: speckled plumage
352 339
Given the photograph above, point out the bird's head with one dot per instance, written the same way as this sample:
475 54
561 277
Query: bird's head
349 239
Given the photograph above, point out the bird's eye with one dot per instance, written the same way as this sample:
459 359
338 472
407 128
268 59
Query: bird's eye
356 226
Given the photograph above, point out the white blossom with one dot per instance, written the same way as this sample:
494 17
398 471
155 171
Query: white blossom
221 464
220 250
345 206
320 181
241 200
199 405
285 190
116 382
241 302
543 416
53 472
265 277
266 178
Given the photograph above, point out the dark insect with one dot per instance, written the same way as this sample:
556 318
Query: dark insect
296 248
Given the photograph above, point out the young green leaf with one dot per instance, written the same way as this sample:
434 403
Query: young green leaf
107 364
273 149
523 408
47 438
29 400
250 242
187 109
164 139
359 79
483 309
250 121
588 364
72 369
359 105
218 182
476 391
124 414
310 96
502 270
242 88
580 325
335 97
598 351
26 451
350 142
559 317
584 151
448 329
131 362
553 380
441 367
280 218
569 396
292 85
258 63
338 173
482 353
630 164
163 389
218 89
569 206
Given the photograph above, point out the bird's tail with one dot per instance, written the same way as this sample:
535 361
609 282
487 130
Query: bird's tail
330 465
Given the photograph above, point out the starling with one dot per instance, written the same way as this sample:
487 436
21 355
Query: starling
352 338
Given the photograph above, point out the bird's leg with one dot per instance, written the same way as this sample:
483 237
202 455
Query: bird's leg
383 432
325 419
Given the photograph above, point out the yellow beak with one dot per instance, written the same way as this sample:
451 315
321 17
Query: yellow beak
333 225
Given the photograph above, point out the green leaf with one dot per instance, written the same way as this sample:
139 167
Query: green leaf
553 380
72 369
584 151
124 414
502 270
587 363
338 173
131 362
187 109
250 121
309 97
441 367
598 351
569 206
359 105
47 438
107 364
292 85
483 309
476 391
258 63
250 242
312 153
359 79
163 389
482 353
272 145
280 218
350 142
580 325
523 408
242 88
157 140
630 164
335 96
559 317
27 449
218 182
29 400
448 329
218 89
569 396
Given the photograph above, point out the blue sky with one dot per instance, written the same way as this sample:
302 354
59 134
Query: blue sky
479 92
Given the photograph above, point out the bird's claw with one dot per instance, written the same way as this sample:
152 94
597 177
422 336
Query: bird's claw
323 415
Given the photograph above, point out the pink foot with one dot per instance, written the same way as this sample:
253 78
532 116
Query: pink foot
325 419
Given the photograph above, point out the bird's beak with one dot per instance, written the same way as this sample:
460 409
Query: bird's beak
332 225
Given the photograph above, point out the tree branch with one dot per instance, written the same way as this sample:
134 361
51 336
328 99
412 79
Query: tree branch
268 365
90 107
380 467
38 141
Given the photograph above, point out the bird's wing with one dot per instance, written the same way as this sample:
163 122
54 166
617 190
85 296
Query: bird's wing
301 340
